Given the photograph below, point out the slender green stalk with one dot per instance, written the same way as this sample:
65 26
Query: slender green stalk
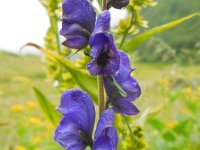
129 128
100 93
126 32
100 79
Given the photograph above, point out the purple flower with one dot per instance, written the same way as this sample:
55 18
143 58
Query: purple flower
78 21
75 129
105 137
104 55
118 3
124 83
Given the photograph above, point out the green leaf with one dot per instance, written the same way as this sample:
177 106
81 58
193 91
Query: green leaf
81 77
157 124
169 136
133 43
47 108
134 140
148 114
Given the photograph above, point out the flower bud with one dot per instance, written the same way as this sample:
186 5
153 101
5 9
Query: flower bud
118 4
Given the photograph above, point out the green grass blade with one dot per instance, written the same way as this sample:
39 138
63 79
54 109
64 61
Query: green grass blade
47 108
134 140
133 43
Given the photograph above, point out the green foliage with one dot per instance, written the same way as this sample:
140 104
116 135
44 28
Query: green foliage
48 109
182 42
181 128
134 19
184 36
138 40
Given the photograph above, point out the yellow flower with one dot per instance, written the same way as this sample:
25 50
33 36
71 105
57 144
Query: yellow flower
49 126
171 124
187 90
164 82
34 121
125 144
46 135
36 139
19 147
198 88
184 111
31 104
16 108
36 148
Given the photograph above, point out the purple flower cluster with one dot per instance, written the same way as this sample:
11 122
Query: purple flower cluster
80 28
76 125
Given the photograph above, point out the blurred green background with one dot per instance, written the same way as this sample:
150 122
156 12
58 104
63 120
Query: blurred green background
168 70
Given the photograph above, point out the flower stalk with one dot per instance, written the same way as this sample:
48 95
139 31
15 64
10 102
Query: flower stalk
104 3
100 94
100 80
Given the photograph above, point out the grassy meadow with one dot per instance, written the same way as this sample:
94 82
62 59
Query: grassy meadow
171 92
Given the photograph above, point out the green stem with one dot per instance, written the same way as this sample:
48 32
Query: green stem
123 38
100 93
100 79
126 32
129 128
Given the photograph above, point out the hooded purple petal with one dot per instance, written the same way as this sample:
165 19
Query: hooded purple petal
105 137
78 22
104 54
68 136
78 106
118 3
79 115
124 106
128 84
125 68
102 24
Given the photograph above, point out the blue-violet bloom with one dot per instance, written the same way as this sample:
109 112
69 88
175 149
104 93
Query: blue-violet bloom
75 129
78 21
120 103
105 58
118 3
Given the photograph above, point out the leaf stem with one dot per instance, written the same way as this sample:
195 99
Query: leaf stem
100 93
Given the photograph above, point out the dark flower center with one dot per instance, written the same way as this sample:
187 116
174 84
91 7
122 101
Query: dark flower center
104 57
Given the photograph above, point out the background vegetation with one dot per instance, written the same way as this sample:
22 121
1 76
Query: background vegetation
180 44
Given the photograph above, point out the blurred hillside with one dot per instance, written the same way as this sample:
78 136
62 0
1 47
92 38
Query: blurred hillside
181 40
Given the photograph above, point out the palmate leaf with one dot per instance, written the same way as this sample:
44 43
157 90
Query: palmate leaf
81 77
134 42
47 108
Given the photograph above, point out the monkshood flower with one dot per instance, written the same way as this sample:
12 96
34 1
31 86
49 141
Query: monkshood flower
75 129
78 21
105 58
122 89
118 3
